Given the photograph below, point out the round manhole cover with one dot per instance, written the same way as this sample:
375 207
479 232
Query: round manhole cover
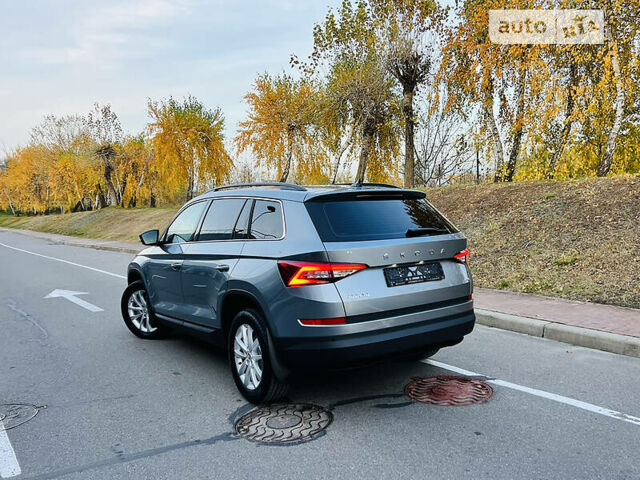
283 423
14 414
448 391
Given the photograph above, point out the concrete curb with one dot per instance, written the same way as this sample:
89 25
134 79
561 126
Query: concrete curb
583 337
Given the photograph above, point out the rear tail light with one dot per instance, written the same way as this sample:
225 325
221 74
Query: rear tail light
297 274
462 257
323 321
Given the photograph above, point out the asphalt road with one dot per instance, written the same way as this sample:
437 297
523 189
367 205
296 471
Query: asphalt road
117 407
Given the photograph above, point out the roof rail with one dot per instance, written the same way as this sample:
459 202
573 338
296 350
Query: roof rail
368 184
281 185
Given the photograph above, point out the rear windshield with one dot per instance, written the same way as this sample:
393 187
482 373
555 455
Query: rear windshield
358 220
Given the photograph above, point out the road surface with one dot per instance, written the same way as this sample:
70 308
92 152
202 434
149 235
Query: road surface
112 406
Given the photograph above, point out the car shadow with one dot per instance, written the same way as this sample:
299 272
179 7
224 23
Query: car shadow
379 380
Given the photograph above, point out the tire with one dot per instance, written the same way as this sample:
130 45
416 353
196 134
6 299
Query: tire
422 354
137 313
249 359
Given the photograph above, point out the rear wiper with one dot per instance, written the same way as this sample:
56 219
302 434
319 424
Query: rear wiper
421 232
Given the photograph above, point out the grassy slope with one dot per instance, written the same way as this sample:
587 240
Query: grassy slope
578 239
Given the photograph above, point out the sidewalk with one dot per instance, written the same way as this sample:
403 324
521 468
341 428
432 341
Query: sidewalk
606 318
592 325
604 327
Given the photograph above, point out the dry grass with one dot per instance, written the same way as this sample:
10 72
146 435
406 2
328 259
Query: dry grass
577 239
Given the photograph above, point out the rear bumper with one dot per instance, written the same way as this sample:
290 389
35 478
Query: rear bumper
331 351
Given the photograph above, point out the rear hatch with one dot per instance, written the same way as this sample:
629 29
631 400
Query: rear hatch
407 245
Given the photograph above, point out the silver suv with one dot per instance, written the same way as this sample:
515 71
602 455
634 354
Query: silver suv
291 278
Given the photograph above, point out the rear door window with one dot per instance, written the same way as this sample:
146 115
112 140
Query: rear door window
221 219
266 222
372 219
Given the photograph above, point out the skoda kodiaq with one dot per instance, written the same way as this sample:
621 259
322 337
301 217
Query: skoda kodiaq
291 278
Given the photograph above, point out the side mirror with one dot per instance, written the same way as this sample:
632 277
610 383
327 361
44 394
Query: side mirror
150 237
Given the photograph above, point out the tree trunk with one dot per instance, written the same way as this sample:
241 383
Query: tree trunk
10 202
112 197
409 146
368 133
190 183
607 159
568 122
497 141
101 202
121 187
343 148
517 137
133 201
287 165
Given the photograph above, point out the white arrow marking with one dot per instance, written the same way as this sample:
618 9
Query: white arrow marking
71 296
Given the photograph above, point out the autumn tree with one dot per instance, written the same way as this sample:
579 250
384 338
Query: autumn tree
360 87
444 142
364 89
279 128
620 54
105 129
400 34
138 160
188 141
408 31
502 83
26 180
68 150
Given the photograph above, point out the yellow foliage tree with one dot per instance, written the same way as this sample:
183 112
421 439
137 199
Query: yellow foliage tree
279 128
188 143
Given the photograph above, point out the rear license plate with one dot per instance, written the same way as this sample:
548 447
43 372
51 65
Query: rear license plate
427 272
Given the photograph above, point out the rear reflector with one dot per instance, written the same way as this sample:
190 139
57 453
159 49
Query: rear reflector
297 274
462 257
324 321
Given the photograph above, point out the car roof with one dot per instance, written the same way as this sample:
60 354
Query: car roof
298 193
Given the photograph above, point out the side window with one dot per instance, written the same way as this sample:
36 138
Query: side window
220 219
184 226
266 223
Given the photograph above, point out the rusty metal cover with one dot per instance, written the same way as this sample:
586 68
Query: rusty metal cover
448 391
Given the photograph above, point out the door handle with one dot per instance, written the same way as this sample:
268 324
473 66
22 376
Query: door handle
176 266
222 268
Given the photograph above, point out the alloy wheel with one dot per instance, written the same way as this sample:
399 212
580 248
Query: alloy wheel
248 356
139 312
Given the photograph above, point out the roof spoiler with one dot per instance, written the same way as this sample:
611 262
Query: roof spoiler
367 194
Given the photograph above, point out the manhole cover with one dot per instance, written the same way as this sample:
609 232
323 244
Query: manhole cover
448 391
283 423
14 414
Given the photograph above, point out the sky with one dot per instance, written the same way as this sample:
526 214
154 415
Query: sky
61 56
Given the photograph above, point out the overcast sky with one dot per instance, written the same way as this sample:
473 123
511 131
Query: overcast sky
61 56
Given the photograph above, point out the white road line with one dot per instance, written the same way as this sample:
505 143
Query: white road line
541 393
64 261
9 466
